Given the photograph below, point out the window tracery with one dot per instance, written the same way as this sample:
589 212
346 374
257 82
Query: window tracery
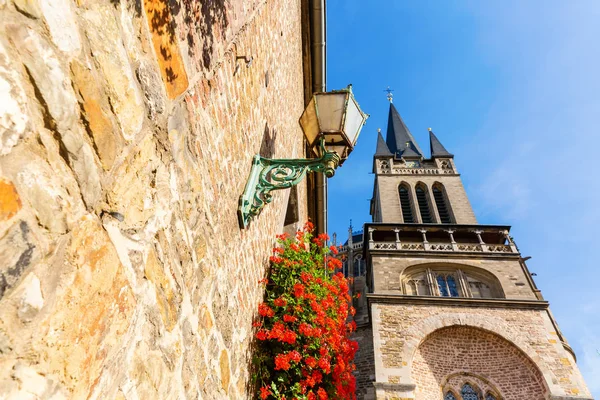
449 396
450 282
447 285
469 393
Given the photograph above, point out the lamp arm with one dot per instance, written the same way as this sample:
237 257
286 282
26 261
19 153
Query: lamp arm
268 174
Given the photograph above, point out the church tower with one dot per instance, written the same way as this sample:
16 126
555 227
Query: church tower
450 310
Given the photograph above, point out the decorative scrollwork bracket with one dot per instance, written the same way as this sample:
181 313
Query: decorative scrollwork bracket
268 174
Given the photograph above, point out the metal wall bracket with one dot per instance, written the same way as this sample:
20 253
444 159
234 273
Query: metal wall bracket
268 174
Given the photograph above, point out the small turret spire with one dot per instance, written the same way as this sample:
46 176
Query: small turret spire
382 149
436 147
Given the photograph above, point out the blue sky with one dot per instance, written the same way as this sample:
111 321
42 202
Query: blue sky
512 88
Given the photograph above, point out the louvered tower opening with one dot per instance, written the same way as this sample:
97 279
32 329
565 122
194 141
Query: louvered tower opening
405 204
423 205
442 207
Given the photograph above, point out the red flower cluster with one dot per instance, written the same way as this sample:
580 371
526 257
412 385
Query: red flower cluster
304 350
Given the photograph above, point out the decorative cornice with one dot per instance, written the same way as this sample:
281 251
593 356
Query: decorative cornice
395 387
456 301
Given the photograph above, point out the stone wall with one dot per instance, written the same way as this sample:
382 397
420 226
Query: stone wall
399 331
389 200
365 363
127 130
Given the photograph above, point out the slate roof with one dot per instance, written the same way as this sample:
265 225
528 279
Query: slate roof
382 148
399 139
437 149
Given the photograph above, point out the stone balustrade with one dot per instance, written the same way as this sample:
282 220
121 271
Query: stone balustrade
486 239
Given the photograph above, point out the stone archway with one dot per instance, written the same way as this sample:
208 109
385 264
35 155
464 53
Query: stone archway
419 332
459 350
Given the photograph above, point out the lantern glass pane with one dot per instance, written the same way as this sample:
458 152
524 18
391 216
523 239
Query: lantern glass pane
330 109
354 122
309 123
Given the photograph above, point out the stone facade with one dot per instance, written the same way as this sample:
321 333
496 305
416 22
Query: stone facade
390 175
127 130
450 302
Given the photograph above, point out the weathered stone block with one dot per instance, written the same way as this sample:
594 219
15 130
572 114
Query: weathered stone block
111 57
97 303
168 300
13 104
97 114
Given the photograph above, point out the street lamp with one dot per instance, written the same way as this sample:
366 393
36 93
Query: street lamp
331 123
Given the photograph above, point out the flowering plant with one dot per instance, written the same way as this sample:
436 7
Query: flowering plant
303 346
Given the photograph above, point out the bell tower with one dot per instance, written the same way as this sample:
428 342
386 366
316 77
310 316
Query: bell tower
449 310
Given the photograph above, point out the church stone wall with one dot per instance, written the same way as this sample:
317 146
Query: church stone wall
400 330
127 130
389 200
365 363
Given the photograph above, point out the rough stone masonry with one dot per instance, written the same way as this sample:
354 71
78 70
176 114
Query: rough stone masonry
127 129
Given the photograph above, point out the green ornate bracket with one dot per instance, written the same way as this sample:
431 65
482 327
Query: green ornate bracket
274 174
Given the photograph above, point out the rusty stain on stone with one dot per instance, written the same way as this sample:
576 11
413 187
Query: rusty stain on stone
161 25
10 202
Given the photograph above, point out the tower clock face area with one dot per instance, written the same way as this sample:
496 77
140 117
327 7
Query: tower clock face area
412 164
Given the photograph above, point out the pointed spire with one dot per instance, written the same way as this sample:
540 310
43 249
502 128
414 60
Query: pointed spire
382 148
437 149
398 138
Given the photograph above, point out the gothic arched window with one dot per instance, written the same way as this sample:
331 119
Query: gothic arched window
450 281
442 204
405 203
449 396
490 396
423 201
468 393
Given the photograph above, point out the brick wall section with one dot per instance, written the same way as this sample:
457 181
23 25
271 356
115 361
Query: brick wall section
126 140
365 363
462 349
399 330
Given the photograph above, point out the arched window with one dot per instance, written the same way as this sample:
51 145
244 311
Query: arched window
421 192
449 396
405 204
441 203
450 281
468 393
447 285
490 396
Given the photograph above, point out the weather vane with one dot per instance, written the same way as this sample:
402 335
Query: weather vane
390 96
